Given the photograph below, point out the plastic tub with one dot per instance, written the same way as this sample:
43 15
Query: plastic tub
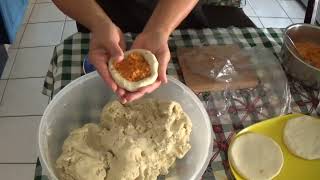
81 101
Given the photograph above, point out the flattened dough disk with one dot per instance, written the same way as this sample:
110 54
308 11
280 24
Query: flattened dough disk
256 157
135 85
302 137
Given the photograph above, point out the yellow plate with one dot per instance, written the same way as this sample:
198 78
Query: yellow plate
293 166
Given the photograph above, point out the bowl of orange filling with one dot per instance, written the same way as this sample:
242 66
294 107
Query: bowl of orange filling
139 68
304 63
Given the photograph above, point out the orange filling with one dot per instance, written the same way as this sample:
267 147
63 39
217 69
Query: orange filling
133 68
310 52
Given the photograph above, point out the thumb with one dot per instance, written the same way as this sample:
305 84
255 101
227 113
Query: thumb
115 52
163 58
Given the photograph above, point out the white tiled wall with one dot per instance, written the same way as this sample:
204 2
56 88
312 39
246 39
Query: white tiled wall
274 13
21 101
46 12
18 138
17 171
42 34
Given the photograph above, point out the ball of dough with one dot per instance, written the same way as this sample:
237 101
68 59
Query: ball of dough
302 137
133 85
80 159
139 140
255 156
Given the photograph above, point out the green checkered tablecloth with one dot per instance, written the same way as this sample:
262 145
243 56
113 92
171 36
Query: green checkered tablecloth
233 3
246 106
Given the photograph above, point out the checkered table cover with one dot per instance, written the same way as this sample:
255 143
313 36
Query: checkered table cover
232 3
247 106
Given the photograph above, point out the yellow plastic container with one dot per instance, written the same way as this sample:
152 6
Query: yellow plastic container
294 167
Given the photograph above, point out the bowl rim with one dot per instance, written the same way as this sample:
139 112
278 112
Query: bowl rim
289 49
94 74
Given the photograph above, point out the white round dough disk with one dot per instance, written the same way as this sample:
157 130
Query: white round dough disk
302 137
130 85
255 156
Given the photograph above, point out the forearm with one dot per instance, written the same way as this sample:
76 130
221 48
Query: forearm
86 12
168 14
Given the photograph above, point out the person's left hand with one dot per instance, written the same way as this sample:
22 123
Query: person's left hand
157 43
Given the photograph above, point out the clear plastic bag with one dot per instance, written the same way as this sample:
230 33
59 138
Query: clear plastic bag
268 97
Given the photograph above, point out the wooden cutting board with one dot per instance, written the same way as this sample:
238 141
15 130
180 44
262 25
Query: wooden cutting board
211 68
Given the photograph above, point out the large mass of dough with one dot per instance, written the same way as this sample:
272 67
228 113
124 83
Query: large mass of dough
137 141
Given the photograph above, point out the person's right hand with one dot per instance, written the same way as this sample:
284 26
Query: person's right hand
107 41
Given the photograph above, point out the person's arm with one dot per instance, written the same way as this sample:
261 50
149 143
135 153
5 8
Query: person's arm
86 12
106 41
168 14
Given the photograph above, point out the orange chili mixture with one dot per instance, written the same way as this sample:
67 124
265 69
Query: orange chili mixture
310 53
134 67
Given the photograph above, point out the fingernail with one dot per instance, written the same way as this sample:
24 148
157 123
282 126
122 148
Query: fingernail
123 101
118 59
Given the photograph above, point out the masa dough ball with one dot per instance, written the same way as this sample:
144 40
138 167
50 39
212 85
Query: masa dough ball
139 140
256 157
80 158
134 82
302 137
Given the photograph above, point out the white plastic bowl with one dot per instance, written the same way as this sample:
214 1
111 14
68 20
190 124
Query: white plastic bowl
81 101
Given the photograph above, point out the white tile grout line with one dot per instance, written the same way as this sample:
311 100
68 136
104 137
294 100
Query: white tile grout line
272 17
29 16
30 13
32 115
64 25
31 77
22 78
5 87
25 27
258 19
6 83
249 3
42 2
284 11
275 17
260 22
297 18
46 21
10 163
24 47
30 47
4 90
14 61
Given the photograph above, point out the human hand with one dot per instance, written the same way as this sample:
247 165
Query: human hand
157 43
107 41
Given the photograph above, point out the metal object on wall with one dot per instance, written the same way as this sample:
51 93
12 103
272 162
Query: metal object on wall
311 12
